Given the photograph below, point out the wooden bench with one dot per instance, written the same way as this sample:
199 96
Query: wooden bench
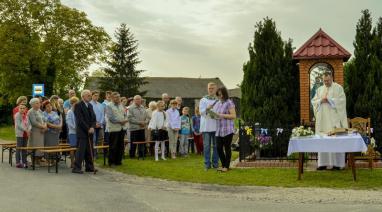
104 150
10 147
141 148
55 155
39 148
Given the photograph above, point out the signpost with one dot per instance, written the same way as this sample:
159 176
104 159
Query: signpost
38 90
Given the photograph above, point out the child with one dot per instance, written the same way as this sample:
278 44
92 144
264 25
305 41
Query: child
71 123
22 131
173 126
157 126
185 131
197 134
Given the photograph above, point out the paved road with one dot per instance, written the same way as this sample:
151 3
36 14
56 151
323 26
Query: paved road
27 190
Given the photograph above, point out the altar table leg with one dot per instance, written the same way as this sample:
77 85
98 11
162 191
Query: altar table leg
300 165
352 163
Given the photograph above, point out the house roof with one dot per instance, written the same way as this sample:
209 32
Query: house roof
173 86
321 45
236 92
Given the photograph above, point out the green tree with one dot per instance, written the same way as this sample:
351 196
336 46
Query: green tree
50 43
270 84
122 74
363 74
356 71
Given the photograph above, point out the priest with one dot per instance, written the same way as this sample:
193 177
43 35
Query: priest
329 106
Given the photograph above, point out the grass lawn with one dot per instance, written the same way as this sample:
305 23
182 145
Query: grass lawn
191 170
7 133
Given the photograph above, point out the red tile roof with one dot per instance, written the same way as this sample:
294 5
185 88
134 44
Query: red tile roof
321 45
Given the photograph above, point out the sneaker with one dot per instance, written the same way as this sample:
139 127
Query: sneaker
163 158
224 170
321 168
219 169
19 165
156 159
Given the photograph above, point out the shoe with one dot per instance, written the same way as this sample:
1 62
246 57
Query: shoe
219 169
19 165
224 170
320 168
91 170
156 159
336 168
77 171
163 158
206 168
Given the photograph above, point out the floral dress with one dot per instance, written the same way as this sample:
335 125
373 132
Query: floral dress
52 135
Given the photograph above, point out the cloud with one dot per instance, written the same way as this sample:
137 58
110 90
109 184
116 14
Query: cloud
209 38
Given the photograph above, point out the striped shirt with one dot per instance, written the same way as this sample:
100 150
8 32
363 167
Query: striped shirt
224 126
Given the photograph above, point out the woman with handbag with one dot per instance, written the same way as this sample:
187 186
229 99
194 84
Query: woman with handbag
157 126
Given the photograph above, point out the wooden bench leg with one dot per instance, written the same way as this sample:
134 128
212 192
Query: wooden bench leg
33 159
57 160
2 154
10 155
104 157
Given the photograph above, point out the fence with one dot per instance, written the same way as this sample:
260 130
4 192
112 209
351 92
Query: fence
278 148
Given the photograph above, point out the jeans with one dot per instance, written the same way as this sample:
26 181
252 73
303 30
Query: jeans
208 141
183 144
21 154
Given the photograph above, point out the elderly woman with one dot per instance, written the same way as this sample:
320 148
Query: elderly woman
38 126
54 123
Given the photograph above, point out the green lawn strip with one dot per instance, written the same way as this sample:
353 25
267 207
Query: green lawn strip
7 133
191 170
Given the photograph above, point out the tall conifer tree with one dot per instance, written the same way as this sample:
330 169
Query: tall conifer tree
270 84
122 74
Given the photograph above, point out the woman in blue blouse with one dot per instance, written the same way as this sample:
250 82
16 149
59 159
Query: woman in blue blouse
54 123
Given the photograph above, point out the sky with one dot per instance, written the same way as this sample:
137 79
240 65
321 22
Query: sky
210 38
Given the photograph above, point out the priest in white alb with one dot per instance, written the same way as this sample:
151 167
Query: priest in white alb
329 106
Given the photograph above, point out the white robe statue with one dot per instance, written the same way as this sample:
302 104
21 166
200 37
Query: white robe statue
330 115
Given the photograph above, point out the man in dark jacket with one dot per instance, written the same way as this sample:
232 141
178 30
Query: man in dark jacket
85 124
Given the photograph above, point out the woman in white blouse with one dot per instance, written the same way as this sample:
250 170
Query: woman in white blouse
157 126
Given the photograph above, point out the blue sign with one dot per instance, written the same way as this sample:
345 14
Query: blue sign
38 90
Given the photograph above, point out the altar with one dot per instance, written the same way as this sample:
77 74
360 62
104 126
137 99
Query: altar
341 144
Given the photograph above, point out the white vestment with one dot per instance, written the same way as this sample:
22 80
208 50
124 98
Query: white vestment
328 116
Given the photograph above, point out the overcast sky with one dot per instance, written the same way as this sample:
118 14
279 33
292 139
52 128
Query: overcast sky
209 38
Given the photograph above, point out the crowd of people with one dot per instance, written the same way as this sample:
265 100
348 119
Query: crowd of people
165 129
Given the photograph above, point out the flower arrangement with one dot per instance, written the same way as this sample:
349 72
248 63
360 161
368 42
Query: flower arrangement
371 149
263 141
248 130
258 141
302 131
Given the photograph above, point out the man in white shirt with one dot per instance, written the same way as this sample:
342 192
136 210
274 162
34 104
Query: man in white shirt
208 127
